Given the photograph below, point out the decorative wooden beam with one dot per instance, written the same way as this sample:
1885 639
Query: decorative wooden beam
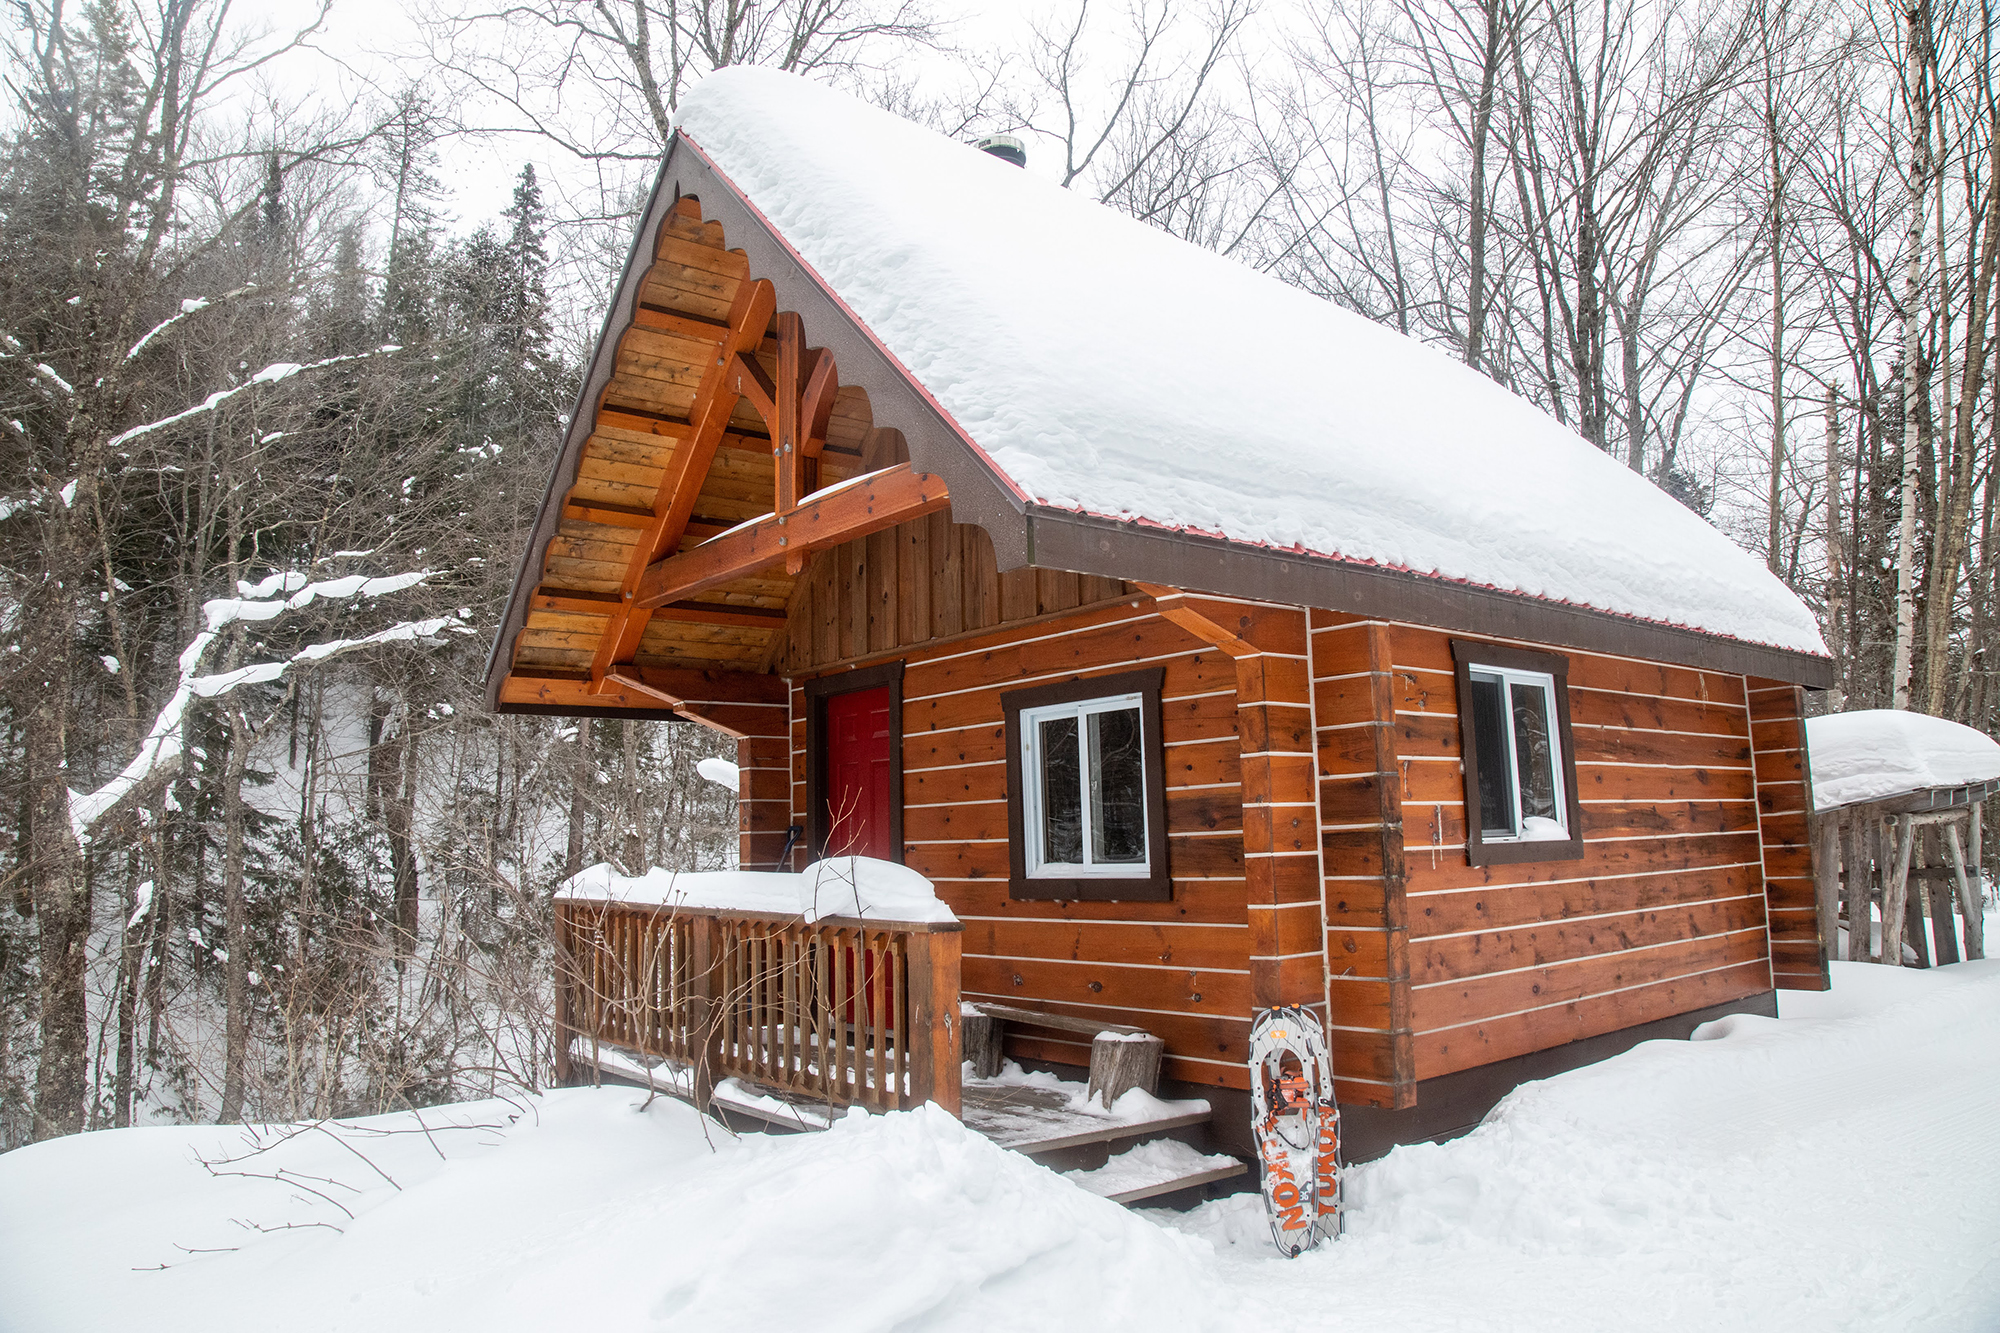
1172 604
788 454
643 423
738 704
822 384
692 327
796 404
610 515
719 613
620 680
574 601
673 503
852 509
746 379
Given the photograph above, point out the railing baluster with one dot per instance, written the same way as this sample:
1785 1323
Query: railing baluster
899 1015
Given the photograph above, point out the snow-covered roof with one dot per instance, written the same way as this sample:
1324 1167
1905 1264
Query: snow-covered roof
1875 754
1104 367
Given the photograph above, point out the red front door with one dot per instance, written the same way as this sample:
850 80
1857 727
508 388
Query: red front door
858 789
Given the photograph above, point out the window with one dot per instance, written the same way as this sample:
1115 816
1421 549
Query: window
1520 774
1086 809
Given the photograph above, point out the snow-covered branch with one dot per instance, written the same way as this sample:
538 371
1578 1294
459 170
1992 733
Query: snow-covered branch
189 308
44 372
162 745
271 374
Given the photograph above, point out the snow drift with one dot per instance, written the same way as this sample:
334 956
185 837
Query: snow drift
1104 366
1832 1170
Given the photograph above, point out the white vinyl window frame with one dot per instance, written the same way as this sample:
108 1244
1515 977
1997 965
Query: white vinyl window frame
1509 678
1032 802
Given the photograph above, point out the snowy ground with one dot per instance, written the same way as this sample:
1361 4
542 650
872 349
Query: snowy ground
1835 1169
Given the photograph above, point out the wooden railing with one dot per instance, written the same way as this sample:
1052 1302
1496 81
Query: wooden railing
841 1011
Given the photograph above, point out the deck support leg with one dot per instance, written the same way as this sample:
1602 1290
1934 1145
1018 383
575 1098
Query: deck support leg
1943 899
1826 883
1860 881
1969 905
1896 892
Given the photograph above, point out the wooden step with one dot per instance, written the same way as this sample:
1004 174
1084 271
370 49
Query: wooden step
1038 1120
1161 1166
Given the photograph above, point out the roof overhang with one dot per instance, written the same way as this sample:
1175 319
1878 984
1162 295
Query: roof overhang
1024 533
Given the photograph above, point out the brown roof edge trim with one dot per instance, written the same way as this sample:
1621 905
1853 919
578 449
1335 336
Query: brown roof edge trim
1091 545
582 420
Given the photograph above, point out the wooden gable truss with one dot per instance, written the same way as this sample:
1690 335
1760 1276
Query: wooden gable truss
721 453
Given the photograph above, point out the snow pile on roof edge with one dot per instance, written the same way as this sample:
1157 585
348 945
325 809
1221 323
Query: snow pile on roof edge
1078 349
1872 754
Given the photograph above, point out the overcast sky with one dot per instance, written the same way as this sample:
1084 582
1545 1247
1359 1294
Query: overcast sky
367 49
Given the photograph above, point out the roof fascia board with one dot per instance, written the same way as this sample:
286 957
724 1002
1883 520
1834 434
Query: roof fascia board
1090 544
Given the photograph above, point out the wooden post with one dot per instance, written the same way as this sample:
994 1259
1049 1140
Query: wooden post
564 1028
1860 882
1969 904
1120 1063
704 1037
981 1034
1895 893
1943 900
934 1024
1826 881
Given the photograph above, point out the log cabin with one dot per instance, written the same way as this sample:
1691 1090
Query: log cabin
1209 648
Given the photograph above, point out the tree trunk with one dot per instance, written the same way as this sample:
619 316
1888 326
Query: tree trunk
61 897
1916 51
635 810
131 958
1482 128
1836 698
581 772
1775 499
400 823
235 967
1948 547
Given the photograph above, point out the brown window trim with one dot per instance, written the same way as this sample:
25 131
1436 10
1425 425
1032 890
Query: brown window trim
1467 653
818 690
1156 887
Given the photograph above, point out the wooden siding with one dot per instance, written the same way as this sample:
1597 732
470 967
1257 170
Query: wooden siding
1784 800
1180 969
763 799
1361 850
1664 913
919 583
1281 856
1423 965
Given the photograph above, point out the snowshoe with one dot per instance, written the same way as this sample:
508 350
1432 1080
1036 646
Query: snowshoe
1297 1128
